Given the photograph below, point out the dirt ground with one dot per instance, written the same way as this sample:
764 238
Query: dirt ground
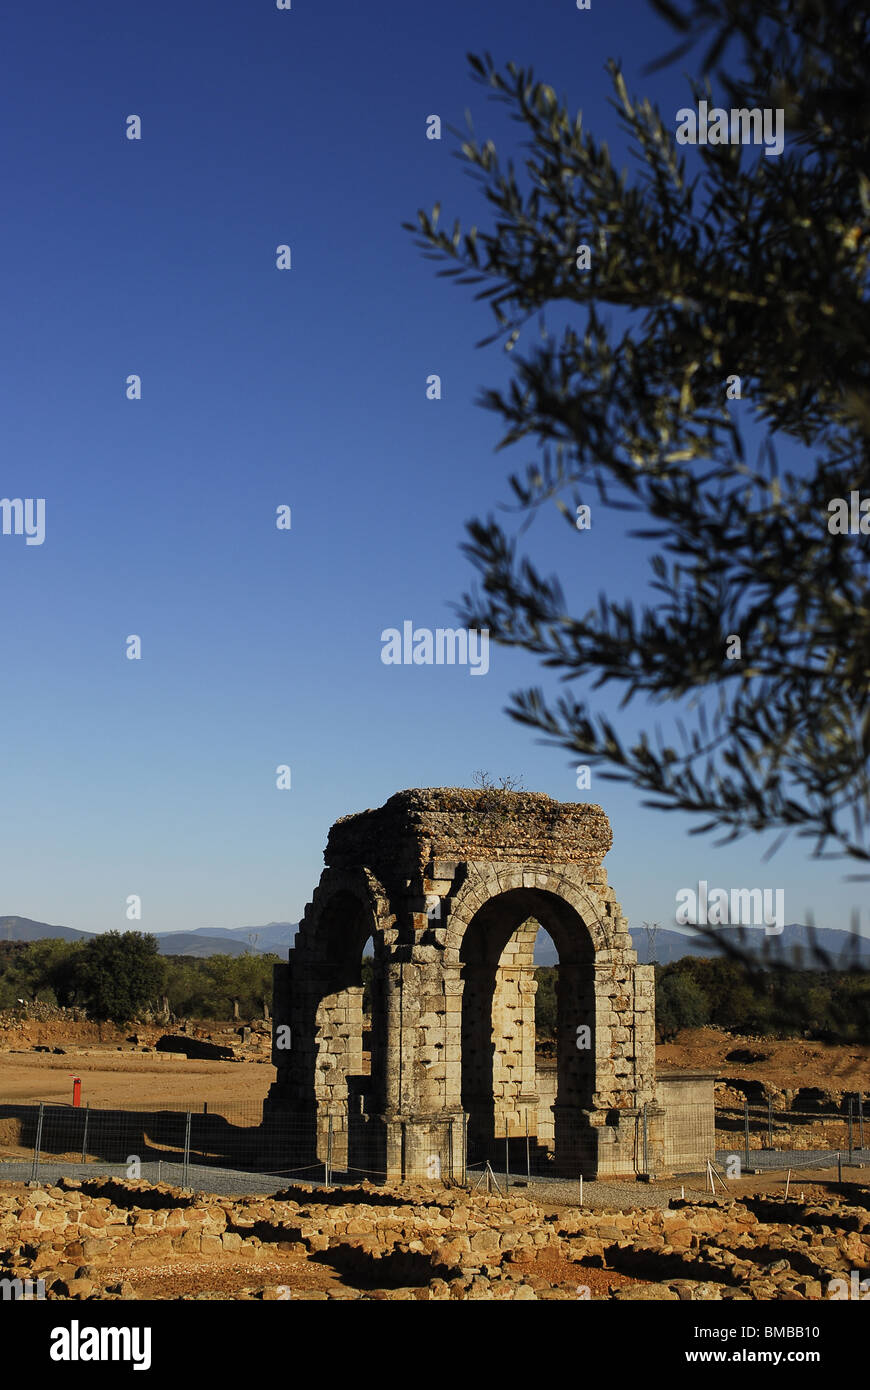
123 1078
793 1063
117 1072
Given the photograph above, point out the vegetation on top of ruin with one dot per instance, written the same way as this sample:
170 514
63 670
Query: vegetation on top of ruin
492 794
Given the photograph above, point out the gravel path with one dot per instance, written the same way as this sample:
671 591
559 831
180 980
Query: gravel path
221 1181
226 1182
767 1159
543 1190
596 1195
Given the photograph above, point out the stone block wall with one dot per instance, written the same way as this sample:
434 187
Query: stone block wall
689 1120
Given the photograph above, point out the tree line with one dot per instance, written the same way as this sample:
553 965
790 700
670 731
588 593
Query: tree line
122 977
694 992
827 1005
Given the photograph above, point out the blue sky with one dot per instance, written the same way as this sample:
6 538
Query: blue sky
263 387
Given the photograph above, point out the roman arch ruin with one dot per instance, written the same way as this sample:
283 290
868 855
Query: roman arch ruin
451 886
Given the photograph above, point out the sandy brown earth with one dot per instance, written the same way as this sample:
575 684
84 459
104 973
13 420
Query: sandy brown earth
115 1071
111 1078
792 1063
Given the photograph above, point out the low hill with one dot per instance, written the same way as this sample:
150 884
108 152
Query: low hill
194 943
23 929
793 946
274 938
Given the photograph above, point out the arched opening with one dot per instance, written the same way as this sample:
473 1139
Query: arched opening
514 1103
348 1031
366 1085
546 959
368 982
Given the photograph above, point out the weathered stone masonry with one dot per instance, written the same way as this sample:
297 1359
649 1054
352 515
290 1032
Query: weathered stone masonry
452 885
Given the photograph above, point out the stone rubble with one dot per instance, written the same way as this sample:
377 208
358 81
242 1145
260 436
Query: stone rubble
412 1243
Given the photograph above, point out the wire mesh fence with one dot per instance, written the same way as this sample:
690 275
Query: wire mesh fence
812 1133
39 1140
234 1146
232 1137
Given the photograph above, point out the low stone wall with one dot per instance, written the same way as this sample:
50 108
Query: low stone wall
455 1245
40 1012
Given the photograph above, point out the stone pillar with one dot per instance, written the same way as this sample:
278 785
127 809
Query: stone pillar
453 986
644 1026
528 1099
393 1026
281 1021
395 1149
507 1044
657 1165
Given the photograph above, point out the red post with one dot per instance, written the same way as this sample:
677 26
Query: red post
77 1090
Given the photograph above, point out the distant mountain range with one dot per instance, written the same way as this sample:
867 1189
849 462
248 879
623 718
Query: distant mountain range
793 945
204 941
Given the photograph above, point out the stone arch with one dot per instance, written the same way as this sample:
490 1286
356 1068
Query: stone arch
359 884
485 882
447 881
495 943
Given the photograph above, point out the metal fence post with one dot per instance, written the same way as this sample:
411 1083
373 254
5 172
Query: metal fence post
769 1122
645 1143
850 1129
861 1119
746 1132
528 1159
329 1154
507 1157
184 1178
85 1133
35 1168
